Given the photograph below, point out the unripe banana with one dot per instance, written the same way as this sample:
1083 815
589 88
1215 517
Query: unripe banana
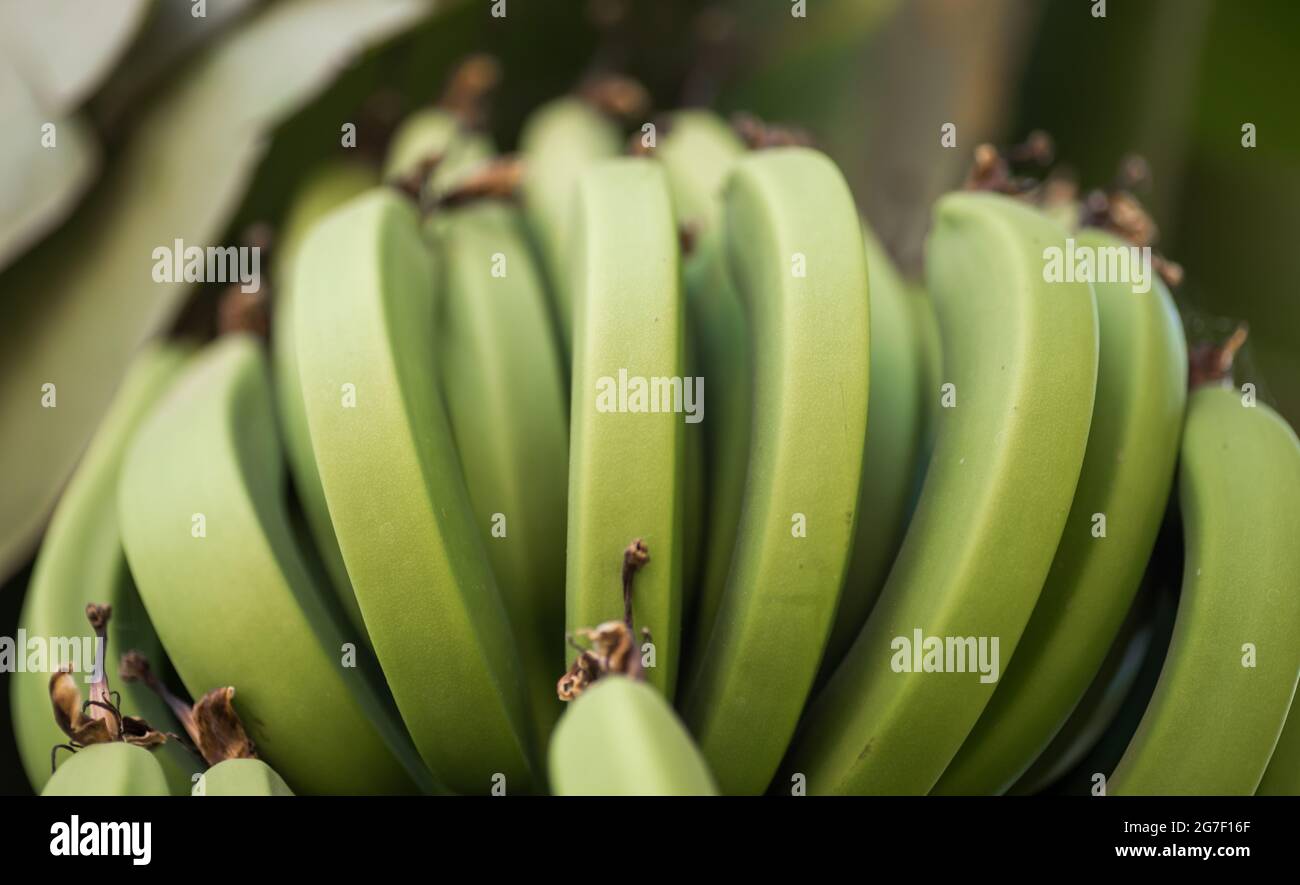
400 508
1087 776
241 777
621 738
1127 473
81 562
559 142
328 187
1098 707
697 152
891 452
626 453
434 143
207 537
1233 662
112 769
504 385
423 137
794 245
1022 356
1283 775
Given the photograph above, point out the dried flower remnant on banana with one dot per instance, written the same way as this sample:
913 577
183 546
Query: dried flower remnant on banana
212 723
612 647
1114 209
98 720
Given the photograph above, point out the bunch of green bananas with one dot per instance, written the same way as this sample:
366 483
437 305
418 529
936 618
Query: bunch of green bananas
482 404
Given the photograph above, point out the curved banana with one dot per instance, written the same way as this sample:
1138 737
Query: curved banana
81 562
1128 470
1097 708
930 351
241 777
1232 666
327 188
891 452
112 769
794 243
433 140
621 738
628 406
207 537
504 385
559 142
697 152
368 364
1282 778
1022 356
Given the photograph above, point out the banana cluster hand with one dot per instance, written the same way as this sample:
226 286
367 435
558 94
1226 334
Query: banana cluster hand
800 523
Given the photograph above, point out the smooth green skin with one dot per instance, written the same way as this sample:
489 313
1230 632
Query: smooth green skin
626 469
1097 709
698 152
434 132
504 384
1212 723
241 777
930 352
327 188
1023 356
1283 775
560 141
889 458
1127 474
238 607
397 498
80 562
809 340
423 134
116 769
621 738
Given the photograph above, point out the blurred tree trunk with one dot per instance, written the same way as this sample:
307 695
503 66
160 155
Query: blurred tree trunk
939 61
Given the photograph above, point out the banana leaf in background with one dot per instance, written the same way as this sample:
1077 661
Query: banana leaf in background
74 310
1175 81
65 48
171 34
38 185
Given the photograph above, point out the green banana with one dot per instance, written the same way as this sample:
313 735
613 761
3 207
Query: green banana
81 562
697 152
401 512
1099 706
1128 470
626 465
112 769
1085 777
559 142
621 738
241 777
1215 716
434 140
794 245
504 385
326 188
891 452
930 351
1282 778
1022 356
207 537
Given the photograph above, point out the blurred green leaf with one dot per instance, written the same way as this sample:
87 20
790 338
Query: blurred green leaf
170 35
66 47
77 307
38 184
